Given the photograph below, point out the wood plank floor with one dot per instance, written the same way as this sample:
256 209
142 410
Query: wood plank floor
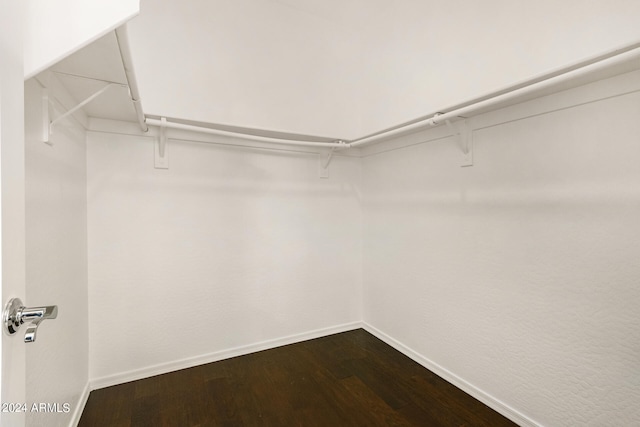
347 379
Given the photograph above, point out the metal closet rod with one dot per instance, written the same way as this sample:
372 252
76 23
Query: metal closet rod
200 129
559 76
516 91
125 52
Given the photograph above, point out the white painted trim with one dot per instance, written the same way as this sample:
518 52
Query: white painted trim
124 377
79 408
163 368
484 397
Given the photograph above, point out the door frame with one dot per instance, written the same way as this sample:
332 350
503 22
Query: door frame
12 205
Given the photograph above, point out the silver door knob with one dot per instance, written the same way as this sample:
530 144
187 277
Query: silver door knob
15 315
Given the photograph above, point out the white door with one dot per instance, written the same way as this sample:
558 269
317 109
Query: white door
12 202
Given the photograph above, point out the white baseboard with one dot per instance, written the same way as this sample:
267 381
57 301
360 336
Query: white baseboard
495 404
124 377
107 381
82 401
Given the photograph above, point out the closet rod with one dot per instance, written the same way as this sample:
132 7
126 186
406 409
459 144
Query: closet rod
562 75
492 100
200 129
125 52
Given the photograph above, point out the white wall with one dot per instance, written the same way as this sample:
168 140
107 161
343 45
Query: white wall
228 248
517 278
56 251
56 29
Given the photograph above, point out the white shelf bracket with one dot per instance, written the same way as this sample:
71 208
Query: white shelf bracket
79 106
161 157
46 131
325 161
464 139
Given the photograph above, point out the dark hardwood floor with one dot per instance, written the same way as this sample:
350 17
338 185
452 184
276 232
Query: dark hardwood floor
347 379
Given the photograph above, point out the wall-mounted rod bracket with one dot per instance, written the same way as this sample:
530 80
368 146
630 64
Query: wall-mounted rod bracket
161 157
329 157
464 140
80 105
326 161
163 137
45 118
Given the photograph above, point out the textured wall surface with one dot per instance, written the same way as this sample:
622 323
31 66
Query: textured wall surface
519 274
227 248
56 239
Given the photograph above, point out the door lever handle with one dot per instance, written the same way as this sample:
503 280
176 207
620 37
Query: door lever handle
15 315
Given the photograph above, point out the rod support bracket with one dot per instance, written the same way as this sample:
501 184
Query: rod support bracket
47 129
464 139
325 160
161 157
80 105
